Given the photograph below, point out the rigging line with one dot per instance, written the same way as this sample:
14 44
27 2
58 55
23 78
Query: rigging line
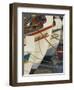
34 56
42 55
40 48
48 41
54 37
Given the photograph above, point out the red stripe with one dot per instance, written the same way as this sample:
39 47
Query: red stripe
39 31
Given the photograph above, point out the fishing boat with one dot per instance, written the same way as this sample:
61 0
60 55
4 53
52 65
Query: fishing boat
41 33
